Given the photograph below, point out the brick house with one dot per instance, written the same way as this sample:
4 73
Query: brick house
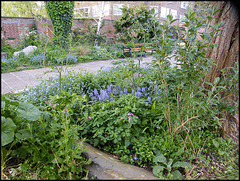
14 28
112 11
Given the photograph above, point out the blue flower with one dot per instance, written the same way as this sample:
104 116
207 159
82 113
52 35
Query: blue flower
115 91
158 127
109 88
149 100
118 87
125 91
143 89
132 90
138 94
139 89
159 91
95 92
103 95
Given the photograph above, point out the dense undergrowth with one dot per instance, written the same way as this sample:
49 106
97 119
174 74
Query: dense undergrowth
152 116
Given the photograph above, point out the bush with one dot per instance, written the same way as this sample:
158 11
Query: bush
31 38
80 50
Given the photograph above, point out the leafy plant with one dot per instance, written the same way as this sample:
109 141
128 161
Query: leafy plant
136 23
61 14
43 139
162 164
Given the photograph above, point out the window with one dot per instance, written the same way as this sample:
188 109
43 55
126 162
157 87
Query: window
174 13
117 10
155 8
181 17
82 12
97 10
164 12
184 4
106 9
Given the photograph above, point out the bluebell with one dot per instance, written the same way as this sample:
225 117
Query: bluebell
138 94
118 87
95 92
115 91
149 100
139 89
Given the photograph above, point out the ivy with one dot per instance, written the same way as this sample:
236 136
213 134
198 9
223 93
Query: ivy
61 15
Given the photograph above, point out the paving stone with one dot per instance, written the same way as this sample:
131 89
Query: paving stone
21 79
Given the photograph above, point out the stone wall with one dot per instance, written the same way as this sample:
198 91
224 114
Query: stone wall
14 28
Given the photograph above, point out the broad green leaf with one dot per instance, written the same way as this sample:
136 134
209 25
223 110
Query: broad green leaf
157 170
160 159
176 175
180 150
127 142
7 130
12 102
29 111
216 144
23 134
47 116
173 21
216 80
157 152
182 164
2 104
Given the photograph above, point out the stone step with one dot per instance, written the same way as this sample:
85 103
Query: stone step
104 166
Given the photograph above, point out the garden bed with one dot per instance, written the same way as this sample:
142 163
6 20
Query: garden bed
126 119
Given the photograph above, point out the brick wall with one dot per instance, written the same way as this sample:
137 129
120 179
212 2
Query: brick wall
14 28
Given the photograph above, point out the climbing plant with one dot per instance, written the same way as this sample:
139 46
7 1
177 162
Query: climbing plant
61 15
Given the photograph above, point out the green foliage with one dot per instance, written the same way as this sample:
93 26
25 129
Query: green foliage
89 35
152 115
22 9
162 163
31 38
61 15
44 140
136 22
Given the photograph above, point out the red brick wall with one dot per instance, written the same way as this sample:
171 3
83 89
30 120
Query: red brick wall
13 28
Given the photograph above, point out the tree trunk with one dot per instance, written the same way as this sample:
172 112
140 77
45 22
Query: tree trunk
225 55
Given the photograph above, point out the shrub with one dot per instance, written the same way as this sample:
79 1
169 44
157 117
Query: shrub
80 50
31 38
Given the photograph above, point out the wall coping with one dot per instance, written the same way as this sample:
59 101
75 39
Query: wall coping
17 17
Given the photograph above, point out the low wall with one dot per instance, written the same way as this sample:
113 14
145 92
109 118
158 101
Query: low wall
13 29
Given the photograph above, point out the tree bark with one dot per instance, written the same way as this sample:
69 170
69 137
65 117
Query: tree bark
225 55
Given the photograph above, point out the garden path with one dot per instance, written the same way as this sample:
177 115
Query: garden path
20 80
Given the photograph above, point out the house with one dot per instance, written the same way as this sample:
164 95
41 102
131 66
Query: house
112 9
